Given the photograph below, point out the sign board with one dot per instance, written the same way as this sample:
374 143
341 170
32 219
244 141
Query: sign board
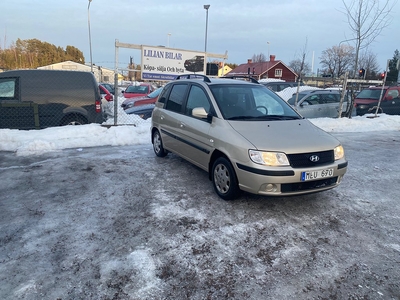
161 63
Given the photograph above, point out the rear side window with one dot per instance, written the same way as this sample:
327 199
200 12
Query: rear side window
331 98
8 89
176 97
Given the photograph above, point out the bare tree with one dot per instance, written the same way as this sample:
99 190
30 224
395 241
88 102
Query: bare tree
259 58
367 19
296 66
369 63
337 59
301 70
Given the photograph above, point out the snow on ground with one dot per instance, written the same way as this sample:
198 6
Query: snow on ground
29 142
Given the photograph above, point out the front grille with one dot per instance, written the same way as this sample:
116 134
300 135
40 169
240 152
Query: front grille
302 160
308 185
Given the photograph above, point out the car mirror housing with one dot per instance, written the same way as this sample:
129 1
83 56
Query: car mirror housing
199 112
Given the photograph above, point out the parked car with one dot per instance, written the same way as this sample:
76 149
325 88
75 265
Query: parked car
278 86
105 93
109 87
107 102
243 135
138 90
136 101
318 103
367 100
143 111
35 99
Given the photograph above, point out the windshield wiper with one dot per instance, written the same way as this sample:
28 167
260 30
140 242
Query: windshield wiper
279 117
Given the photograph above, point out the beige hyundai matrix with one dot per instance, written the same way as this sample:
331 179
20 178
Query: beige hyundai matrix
246 138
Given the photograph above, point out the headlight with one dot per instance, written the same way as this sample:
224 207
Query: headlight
339 152
269 158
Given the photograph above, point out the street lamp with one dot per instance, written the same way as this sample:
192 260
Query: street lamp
206 7
168 39
90 39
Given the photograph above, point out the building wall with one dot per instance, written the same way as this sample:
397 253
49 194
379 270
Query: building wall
101 74
287 75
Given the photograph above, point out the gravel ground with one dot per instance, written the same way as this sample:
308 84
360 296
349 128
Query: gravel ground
120 223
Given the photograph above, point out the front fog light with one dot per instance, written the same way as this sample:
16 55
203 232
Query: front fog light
269 187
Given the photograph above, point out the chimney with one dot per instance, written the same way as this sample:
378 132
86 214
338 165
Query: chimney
249 61
272 58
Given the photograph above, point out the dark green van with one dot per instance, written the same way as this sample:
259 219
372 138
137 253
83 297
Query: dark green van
35 99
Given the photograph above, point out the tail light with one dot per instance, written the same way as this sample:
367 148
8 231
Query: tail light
109 97
98 106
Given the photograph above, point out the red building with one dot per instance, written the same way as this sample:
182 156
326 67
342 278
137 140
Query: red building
275 69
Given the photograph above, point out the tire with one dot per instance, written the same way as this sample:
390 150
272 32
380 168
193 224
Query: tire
73 120
158 145
224 179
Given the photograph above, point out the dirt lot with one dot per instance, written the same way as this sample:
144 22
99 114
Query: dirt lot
120 223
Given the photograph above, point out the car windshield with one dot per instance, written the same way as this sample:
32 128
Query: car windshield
370 94
251 102
137 89
155 93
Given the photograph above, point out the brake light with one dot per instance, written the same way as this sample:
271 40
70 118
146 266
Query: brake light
98 106
109 97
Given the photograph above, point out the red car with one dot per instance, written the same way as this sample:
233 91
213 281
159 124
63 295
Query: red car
138 90
105 94
136 101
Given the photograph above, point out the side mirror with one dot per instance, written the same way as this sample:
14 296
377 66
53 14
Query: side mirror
200 112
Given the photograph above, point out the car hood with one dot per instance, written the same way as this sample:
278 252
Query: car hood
289 136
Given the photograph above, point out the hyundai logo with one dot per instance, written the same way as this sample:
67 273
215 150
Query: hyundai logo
314 158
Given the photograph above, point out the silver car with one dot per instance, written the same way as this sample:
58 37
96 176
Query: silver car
246 137
318 103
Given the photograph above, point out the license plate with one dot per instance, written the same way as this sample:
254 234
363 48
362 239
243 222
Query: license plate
317 174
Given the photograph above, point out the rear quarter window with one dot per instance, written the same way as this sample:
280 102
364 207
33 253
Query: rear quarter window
8 89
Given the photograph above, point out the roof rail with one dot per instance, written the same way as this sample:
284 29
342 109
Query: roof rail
189 76
251 79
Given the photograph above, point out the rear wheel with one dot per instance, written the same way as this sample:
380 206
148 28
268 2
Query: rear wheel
73 119
158 145
224 179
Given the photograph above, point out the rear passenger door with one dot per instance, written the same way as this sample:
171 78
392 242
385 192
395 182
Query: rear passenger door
331 105
170 115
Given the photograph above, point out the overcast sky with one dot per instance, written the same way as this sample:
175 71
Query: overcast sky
242 28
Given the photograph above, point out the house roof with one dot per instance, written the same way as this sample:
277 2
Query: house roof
260 68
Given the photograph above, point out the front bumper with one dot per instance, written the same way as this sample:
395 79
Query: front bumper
278 182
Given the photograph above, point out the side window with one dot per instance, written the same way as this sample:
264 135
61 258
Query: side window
164 93
176 97
332 98
197 98
8 89
393 93
312 100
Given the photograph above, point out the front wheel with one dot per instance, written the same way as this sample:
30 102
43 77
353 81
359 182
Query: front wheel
224 179
158 145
